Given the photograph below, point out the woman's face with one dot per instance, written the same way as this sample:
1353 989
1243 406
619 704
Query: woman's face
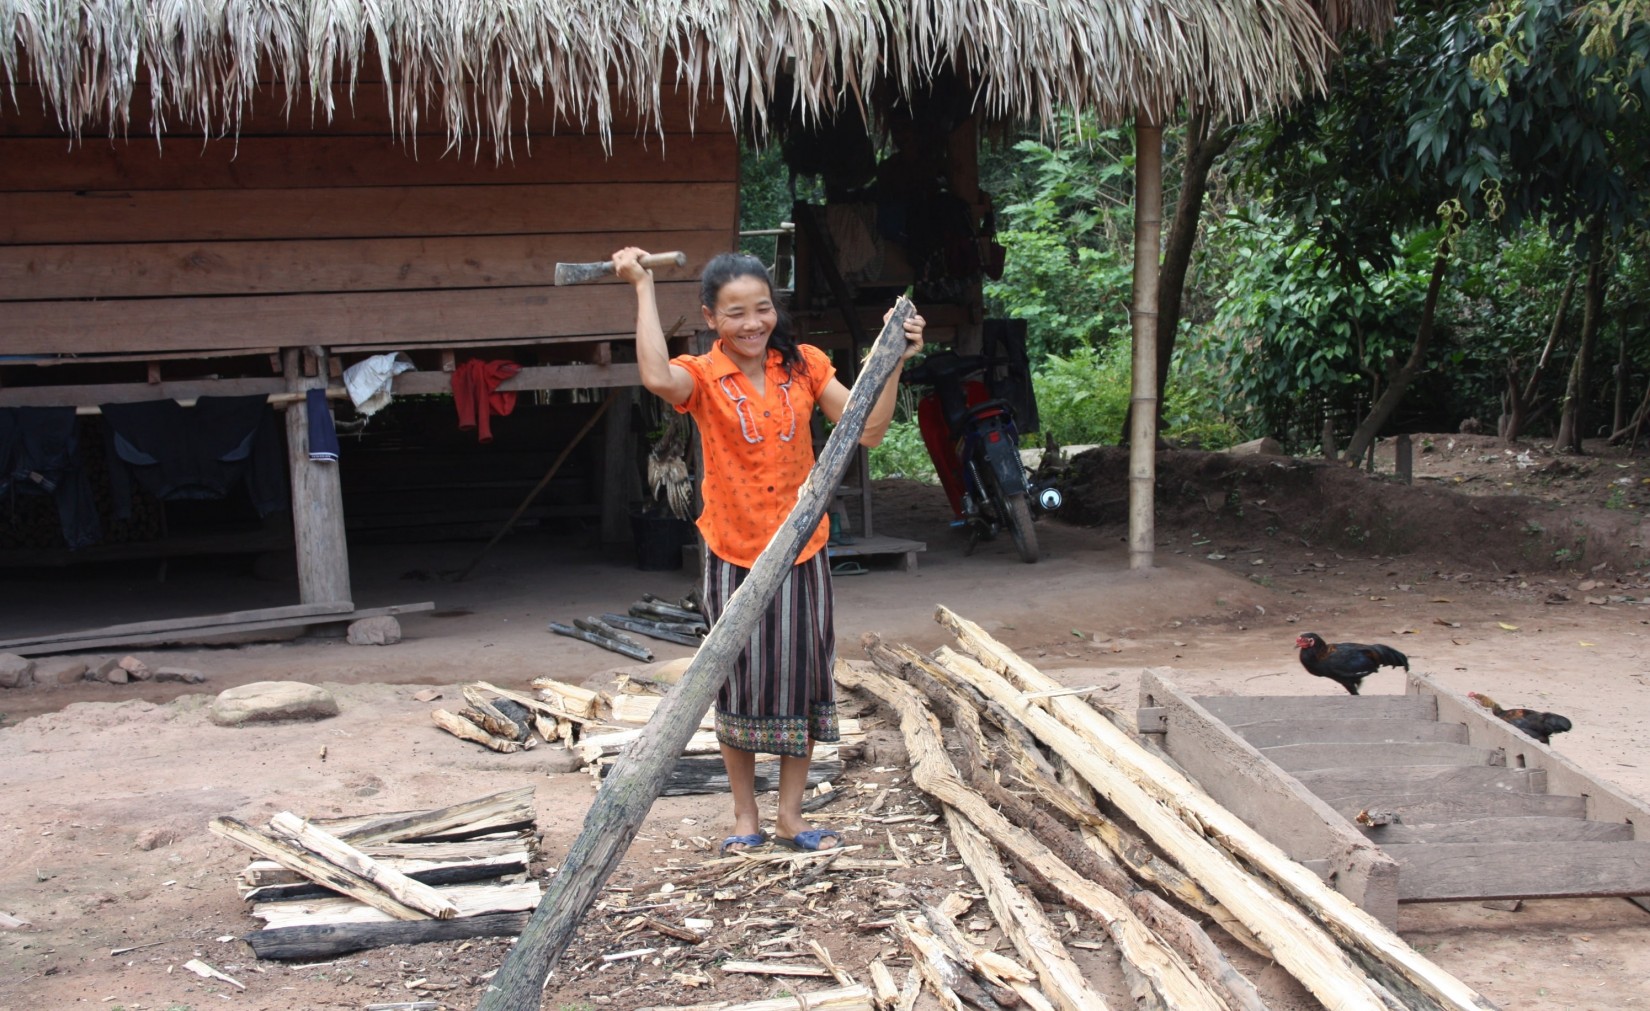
744 317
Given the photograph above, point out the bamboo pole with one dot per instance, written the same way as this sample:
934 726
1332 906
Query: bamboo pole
641 772
1148 245
1151 781
1150 965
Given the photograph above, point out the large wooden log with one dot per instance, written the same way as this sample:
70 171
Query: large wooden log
630 789
1150 966
322 940
1154 788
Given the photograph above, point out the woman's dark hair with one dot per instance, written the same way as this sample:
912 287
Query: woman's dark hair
730 266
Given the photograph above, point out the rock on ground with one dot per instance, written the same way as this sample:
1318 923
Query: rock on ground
137 669
187 675
15 671
381 631
269 701
60 671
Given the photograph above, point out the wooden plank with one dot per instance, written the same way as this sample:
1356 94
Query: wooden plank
364 108
534 377
469 900
317 497
88 395
213 633
335 212
495 812
400 318
1273 733
28 163
1421 808
1236 775
167 624
1432 872
153 269
1236 709
323 940
1490 830
1604 802
1295 757
1352 782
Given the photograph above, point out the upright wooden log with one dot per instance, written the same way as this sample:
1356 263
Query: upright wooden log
1382 953
640 774
317 496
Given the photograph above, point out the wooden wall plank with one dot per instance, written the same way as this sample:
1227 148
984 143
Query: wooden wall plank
1353 781
1435 872
1527 829
392 318
368 113
151 269
1421 808
224 215
1236 709
28 163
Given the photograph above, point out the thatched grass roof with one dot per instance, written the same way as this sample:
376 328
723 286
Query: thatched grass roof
469 60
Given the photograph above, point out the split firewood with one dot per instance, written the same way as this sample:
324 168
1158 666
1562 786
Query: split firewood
465 730
848 998
911 991
1157 798
885 991
668 610
293 857
559 701
824 955
932 961
774 969
1152 967
680 633
496 724
508 724
200 968
671 930
998 973
613 645
334 850
505 810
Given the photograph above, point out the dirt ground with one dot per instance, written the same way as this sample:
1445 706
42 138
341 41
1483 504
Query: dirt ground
1520 577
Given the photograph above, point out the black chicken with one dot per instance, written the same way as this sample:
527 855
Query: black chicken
1539 725
1346 663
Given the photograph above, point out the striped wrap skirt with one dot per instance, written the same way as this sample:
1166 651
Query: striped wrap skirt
781 694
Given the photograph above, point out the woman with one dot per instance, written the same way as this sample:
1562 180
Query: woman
753 398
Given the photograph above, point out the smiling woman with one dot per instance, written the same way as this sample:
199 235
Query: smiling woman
753 397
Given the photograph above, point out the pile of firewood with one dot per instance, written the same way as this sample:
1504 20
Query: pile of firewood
325 886
1114 833
599 725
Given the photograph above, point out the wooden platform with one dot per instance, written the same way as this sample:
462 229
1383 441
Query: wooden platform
1477 810
903 552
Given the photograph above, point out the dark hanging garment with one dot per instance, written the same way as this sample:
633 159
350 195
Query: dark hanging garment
200 452
323 435
39 455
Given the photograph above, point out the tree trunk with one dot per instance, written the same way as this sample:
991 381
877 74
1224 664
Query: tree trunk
1399 382
1618 417
1572 420
1519 400
636 779
1148 239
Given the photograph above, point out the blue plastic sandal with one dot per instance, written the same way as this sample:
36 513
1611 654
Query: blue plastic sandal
808 842
750 841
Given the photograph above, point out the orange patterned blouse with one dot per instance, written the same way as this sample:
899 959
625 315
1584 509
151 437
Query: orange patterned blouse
758 448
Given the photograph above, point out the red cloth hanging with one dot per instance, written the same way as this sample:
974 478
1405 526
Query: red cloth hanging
477 396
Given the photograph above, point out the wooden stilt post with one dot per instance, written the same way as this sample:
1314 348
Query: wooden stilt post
1148 243
621 482
317 497
636 779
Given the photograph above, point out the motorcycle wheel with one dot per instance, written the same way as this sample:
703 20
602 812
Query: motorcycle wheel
1018 518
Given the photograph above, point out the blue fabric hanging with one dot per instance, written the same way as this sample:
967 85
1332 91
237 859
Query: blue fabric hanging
323 436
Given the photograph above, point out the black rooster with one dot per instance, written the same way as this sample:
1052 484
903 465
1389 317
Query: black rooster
1346 663
1539 725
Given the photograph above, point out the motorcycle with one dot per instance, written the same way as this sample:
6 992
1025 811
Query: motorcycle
974 442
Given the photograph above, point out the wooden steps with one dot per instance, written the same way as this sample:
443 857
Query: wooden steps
1475 809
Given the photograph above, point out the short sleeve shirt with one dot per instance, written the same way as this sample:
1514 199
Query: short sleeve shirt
758 448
